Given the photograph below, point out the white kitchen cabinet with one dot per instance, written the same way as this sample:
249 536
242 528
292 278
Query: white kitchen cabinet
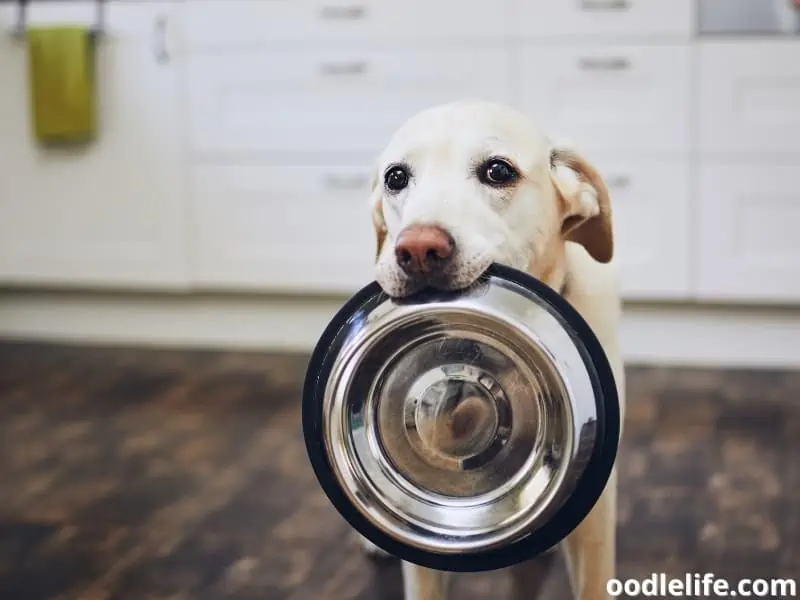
617 18
651 211
608 98
282 228
749 97
332 100
747 233
258 22
111 213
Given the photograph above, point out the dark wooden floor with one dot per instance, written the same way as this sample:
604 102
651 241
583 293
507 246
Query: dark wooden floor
139 475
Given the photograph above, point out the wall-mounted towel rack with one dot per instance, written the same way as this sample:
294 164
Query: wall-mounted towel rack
22 19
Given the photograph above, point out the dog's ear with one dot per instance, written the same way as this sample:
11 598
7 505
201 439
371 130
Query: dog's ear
378 221
584 203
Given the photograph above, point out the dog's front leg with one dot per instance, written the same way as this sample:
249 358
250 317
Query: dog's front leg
529 578
591 548
420 583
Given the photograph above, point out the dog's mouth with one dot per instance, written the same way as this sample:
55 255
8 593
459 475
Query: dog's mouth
462 271
454 282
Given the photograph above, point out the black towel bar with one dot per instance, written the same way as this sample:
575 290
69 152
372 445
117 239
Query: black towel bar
22 17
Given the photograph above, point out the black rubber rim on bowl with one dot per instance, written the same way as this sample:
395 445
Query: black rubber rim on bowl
569 516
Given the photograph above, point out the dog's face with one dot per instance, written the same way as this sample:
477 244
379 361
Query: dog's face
463 185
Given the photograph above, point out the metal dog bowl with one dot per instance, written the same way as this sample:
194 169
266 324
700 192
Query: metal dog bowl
462 431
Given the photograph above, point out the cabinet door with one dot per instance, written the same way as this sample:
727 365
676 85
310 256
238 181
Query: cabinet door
650 202
282 228
749 247
749 97
110 213
608 98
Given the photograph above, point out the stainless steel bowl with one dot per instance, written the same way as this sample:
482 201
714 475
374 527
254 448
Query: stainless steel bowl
462 431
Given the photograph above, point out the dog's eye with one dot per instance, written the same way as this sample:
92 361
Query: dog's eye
497 172
396 178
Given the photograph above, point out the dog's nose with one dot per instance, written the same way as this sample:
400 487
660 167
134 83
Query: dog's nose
423 249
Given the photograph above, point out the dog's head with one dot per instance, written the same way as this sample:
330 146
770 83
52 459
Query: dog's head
463 185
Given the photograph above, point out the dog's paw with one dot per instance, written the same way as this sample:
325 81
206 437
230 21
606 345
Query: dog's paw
372 551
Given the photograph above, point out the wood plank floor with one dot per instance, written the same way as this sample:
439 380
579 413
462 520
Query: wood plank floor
150 475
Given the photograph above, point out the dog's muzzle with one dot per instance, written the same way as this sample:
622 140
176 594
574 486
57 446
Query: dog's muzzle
462 431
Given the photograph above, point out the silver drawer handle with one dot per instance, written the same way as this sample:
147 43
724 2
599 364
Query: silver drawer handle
345 182
614 63
605 4
619 182
344 68
343 13
161 49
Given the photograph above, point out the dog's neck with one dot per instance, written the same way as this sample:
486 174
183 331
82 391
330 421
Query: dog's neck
556 274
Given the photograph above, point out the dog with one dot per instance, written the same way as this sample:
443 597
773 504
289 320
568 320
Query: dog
465 184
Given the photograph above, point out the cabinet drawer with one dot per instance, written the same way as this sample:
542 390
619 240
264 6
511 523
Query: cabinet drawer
650 200
282 228
749 96
212 22
609 98
749 249
640 18
329 101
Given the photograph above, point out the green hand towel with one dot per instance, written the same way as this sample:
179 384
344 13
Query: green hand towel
61 64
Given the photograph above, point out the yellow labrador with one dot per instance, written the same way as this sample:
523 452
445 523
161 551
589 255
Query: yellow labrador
465 184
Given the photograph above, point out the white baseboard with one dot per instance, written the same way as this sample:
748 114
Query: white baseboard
679 335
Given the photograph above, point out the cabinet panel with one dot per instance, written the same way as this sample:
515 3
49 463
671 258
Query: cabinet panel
110 213
749 247
249 22
609 98
749 94
296 228
642 18
650 202
334 100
